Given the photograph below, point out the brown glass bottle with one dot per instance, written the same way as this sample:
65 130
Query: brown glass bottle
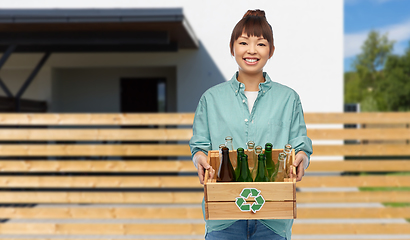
226 172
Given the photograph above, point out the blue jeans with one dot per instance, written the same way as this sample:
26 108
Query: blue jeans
244 229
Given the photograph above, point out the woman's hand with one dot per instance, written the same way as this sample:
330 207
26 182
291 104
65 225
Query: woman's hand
301 161
201 163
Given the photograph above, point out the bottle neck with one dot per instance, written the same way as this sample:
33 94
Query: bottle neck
261 166
225 157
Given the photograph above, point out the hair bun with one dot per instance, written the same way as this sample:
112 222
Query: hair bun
256 13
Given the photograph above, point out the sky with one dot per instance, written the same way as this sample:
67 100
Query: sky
386 16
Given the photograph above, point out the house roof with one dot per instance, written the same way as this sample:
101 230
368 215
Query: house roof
90 30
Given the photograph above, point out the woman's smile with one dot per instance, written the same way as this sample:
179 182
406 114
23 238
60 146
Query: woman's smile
251 61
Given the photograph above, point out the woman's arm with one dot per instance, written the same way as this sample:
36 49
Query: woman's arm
300 141
200 142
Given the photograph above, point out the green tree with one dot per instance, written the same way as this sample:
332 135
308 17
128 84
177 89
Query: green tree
363 85
396 84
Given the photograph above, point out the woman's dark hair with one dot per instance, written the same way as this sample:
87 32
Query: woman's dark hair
253 23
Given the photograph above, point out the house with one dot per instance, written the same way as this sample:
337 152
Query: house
111 57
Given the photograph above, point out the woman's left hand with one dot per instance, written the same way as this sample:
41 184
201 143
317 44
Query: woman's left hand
301 160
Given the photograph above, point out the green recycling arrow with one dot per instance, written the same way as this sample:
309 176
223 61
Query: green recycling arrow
245 194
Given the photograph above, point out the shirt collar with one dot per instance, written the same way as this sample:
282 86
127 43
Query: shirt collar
240 87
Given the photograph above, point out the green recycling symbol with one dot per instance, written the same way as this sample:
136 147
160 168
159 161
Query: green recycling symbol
245 194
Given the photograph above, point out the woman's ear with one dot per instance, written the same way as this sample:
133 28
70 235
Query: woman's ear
271 53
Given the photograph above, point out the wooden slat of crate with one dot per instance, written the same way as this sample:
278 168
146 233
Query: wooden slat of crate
97 119
95 134
354 181
187 213
96 150
99 182
278 191
353 118
359 134
96 166
191 229
270 210
360 166
102 229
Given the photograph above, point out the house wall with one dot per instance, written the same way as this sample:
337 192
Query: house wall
308 56
98 89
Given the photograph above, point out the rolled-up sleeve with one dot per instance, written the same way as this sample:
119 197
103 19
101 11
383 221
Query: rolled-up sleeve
298 134
201 140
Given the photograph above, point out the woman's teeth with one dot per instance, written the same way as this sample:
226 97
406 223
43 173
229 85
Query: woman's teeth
251 60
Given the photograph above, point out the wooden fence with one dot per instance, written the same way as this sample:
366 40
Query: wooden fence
116 175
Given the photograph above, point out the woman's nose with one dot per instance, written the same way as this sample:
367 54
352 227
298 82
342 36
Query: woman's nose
251 50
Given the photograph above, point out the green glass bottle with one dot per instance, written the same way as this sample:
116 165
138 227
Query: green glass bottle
262 174
245 174
270 165
239 153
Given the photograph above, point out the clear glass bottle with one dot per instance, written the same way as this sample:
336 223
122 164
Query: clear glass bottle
288 151
245 174
226 172
232 153
270 165
254 168
251 156
239 152
262 172
280 175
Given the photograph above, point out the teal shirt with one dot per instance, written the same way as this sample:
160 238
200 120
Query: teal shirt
276 117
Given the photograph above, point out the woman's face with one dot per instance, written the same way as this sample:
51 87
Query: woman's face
251 53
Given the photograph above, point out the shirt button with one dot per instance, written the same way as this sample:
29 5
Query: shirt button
236 91
243 101
241 85
263 91
246 120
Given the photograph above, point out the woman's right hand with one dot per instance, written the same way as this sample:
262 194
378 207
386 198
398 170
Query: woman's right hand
201 163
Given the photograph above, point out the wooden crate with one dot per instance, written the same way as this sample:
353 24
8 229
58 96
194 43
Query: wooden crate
222 200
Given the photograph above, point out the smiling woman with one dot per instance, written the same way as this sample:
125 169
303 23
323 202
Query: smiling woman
250 107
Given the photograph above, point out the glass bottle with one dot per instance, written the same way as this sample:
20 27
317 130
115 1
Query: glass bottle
220 152
270 165
262 173
245 174
239 152
226 172
288 151
258 150
280 176
232 154
251 154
